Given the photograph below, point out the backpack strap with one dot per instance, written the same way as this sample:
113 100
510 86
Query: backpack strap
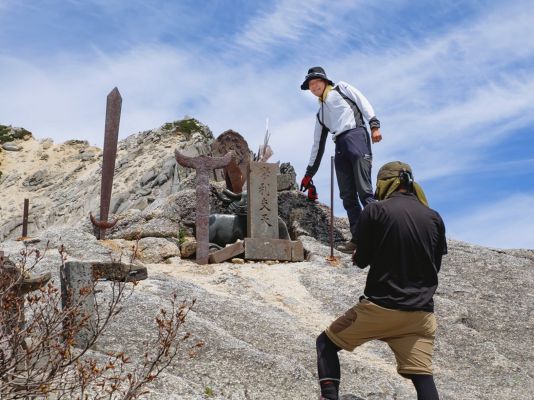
373 122
321 122
354 107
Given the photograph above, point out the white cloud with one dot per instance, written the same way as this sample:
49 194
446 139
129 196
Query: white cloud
442 100
508 223
455 137
66 98
307 24
286 22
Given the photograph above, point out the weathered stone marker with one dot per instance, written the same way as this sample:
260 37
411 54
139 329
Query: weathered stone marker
262 241
203 166
77 282
111 136
262 220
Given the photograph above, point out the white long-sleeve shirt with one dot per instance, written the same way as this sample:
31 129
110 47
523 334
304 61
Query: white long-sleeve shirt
344 108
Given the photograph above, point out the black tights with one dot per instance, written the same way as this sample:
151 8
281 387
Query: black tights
425 387
328 367
330 373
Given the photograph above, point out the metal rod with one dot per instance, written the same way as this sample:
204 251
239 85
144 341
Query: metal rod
25 218
203 165
111 136
332 206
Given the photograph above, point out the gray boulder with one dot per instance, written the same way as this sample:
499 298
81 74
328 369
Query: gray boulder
36 179
286 180
10 146
157 250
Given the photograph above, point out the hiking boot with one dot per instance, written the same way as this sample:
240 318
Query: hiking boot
347 247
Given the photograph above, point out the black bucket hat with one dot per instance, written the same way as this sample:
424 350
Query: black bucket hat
315 73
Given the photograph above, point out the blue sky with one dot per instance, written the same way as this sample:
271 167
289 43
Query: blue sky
451 81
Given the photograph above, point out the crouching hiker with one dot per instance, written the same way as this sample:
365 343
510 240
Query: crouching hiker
344 112
402 240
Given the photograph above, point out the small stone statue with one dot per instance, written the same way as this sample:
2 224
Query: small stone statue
227 228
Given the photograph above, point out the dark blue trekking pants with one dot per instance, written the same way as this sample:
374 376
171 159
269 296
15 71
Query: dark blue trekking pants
353 169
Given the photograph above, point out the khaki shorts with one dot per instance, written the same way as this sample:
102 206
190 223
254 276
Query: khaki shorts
410 334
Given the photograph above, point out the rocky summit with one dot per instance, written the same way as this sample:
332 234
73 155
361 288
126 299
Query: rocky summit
258 320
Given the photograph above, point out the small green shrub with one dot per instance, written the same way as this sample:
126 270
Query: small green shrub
188 126
208 391
185 126
181 236
7 133
20 133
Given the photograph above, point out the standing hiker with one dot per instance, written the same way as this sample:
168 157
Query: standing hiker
402 240
343 111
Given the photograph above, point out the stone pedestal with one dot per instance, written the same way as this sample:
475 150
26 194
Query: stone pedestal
261 249
262 242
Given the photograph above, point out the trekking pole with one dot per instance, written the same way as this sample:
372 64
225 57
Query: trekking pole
332 259
332 207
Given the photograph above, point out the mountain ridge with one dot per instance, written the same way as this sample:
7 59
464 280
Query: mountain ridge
259 321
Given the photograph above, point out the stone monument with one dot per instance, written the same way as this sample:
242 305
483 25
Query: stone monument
262 241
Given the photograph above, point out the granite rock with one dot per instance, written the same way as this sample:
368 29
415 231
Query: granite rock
259 322
10 146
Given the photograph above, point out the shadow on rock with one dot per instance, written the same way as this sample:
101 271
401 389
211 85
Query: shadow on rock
309 219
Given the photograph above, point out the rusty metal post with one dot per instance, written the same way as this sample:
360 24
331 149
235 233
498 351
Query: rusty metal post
25 218
111 136
203 165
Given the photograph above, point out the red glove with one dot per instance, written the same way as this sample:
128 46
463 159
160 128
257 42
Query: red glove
312 193
305 183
